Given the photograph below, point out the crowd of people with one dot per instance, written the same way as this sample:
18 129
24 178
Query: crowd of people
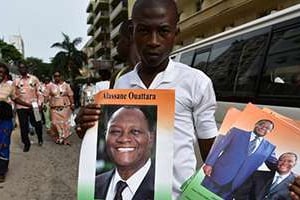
29 103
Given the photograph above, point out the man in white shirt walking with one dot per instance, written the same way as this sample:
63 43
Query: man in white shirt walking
154 32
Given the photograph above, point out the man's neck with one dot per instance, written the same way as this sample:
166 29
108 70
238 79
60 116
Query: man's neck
148 73
283 173
24 76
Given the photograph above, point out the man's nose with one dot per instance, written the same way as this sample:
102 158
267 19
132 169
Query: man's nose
124 137
154 39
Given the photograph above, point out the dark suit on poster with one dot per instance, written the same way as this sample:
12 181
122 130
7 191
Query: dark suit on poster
231 163
145 190
279 192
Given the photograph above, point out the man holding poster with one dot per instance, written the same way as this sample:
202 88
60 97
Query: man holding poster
129 140
154 32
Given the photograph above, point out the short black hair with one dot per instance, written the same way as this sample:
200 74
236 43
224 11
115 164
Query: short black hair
265 120
22 62
57 71
6 112
4 66
289 153
170 4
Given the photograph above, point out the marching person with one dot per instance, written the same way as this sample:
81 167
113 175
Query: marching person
61 103
27 93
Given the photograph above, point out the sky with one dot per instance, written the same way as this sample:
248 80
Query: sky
41 23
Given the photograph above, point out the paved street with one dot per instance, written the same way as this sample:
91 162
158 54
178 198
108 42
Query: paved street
44 173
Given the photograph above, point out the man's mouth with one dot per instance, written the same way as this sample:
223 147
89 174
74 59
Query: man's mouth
153 53
125 149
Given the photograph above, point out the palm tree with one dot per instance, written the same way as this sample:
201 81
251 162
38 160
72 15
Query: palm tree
70 59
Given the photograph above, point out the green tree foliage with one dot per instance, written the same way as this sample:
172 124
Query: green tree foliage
38 67
69 60
9 52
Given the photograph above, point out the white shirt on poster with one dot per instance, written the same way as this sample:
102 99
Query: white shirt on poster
133 183
282 177
259 140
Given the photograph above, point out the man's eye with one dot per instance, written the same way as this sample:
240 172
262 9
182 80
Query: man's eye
136 131
115 132
164 31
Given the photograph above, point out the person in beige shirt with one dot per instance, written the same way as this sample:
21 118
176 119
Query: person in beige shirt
26 93
61 103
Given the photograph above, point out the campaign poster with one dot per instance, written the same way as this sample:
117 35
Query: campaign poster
237 169
121 138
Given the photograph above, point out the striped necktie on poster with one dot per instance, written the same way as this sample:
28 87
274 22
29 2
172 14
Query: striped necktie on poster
121 185
252 145
276 181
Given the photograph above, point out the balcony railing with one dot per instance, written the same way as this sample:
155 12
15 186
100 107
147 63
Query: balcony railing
101 5
115 31
101 18
90 18
90 6
120 7
90 31
113 52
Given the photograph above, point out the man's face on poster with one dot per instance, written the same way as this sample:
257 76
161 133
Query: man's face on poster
285 163
128 139
262 128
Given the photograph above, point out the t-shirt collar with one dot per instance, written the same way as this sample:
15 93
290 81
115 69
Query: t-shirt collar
167 75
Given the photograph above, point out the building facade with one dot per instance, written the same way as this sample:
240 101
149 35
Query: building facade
104 20
17 42
98 46
198 19
203 18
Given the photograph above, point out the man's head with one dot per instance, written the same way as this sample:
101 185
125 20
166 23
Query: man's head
286 162
129 139
47 80
126 47
23 69
125 40
263 127
154 30
3 72
57 76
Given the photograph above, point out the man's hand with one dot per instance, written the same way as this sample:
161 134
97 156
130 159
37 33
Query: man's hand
86 118
295 189
207 170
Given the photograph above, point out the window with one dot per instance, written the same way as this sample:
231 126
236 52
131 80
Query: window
250 62
282 73
201 58
222 66
187 57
